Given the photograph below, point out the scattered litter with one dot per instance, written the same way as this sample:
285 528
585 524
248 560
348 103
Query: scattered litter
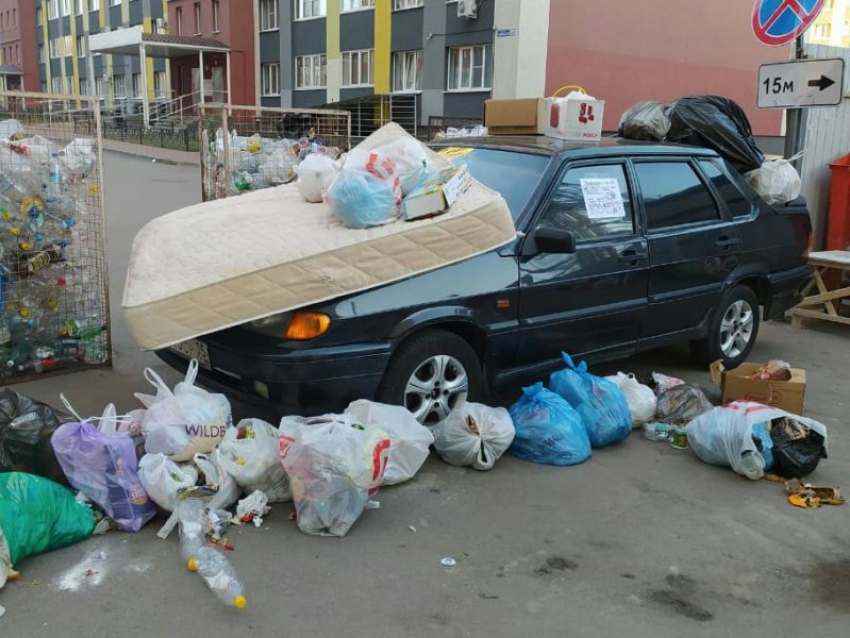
89 572
252 508
448 561
679 438
811 496
2 611
657 431
373 505
412 528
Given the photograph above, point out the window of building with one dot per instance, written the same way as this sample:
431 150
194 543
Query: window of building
216 6
100 87
66 7
84 86
137 85
270 75
43 86
305 9
568 210
357 67
67 45
52 9
356 5
78 7
160 88
81 46
399 5
268 15
178 18
407 71
56 84
114 3
197 18
38 17
53 45
41 57
673 195
738 203
119 87
311 71
94 5
470 68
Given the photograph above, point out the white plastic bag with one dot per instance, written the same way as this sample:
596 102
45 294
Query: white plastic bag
641 399
413 162
8 128
724 435
474 435
185 422
315 174
217 480
130 424
333 469
645 121
162 479
409 439
249 452
777 181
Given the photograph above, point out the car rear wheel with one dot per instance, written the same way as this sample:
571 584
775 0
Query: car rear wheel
734 329
430 374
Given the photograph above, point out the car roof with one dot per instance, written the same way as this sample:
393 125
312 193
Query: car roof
542 145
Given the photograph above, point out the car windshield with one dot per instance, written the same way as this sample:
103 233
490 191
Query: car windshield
514 175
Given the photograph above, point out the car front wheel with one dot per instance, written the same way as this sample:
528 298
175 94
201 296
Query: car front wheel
734 329
430 374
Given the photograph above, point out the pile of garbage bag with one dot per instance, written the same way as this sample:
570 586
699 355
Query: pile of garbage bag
52 312
474 435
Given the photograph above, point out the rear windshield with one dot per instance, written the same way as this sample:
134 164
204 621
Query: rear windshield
514 175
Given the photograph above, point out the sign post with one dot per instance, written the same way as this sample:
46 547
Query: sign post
779 22
802 83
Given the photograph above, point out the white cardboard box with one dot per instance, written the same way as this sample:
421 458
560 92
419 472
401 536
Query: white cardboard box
574 119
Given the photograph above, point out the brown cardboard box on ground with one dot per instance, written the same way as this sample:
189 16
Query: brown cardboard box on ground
516 117
787 394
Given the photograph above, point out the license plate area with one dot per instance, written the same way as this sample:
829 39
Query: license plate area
194 349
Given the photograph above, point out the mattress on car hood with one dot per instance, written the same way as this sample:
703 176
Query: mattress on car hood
227 262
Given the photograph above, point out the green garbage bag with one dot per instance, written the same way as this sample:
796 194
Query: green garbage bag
38 515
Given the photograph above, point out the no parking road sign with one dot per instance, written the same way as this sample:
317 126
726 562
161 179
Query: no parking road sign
778 22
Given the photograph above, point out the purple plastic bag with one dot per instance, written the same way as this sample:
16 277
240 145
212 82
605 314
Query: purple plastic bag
103 466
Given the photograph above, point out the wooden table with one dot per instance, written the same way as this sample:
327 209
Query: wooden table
823 304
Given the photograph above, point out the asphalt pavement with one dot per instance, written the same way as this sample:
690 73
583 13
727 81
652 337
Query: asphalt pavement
643 540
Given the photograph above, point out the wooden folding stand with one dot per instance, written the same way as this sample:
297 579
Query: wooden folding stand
823 304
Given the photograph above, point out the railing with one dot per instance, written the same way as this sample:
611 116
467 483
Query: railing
441 125
370 113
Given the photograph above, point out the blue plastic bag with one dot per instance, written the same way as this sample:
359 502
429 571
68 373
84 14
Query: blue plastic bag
603 408
548 430
761 434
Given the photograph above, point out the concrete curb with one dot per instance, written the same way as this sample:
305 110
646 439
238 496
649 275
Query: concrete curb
165 155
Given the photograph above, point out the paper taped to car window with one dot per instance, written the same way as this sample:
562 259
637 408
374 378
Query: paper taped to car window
602 198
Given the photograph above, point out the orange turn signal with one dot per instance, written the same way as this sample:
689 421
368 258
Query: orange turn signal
306 325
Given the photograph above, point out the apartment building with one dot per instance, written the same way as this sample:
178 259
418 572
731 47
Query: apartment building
18 54
62 31
832 27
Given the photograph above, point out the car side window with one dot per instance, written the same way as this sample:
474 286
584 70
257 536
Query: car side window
739 205
592 202
673 195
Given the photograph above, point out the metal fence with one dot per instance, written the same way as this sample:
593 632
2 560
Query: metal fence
440 126
54 309
371 112
246 148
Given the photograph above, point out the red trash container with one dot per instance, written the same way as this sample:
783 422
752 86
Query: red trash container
838 236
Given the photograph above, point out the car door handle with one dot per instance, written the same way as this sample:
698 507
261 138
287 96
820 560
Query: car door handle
726 243
632 257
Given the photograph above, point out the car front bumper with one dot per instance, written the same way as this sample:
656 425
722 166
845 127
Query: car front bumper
306 382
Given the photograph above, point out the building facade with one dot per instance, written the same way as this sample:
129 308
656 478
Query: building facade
832 28
18 54
230 22
314 52
62 29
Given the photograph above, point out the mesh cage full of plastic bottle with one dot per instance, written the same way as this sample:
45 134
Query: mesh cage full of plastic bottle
247 148
54 310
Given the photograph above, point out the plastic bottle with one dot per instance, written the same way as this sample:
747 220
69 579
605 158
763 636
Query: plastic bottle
54 188
10 190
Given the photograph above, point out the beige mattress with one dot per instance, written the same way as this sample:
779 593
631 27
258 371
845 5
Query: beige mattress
227 262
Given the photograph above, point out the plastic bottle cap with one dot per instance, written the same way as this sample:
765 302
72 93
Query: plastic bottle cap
192 564
239 602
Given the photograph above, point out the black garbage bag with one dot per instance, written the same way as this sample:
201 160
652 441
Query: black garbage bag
25 430
719 123
797 450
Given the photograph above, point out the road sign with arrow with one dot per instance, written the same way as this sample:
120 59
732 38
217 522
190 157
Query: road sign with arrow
801 84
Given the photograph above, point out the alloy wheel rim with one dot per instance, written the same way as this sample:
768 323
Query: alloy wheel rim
436 386
736 328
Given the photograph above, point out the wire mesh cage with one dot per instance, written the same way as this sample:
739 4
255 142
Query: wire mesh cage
54 309
245 148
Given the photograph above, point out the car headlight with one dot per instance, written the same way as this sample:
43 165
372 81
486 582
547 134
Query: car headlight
301 325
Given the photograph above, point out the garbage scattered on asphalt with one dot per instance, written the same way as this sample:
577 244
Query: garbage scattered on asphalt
412 528
474 435
448 561
679 438
811 496
657 431
681 403
252 508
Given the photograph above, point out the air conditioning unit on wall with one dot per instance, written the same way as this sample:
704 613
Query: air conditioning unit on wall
467 9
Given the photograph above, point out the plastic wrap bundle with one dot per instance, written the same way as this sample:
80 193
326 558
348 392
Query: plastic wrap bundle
366 191
103 467
645 121
776 181
333 467
186 421
727 435
315 173
681 403
474 435
718 123
409 439
210 564
249 453
548 430
600 403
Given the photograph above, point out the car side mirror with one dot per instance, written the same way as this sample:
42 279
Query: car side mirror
554 240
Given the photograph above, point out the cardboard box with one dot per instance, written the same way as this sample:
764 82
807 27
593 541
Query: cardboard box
516 117
787 394
574 119
434 197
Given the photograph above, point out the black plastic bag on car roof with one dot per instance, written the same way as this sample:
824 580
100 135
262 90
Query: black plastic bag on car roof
26 426
718 123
